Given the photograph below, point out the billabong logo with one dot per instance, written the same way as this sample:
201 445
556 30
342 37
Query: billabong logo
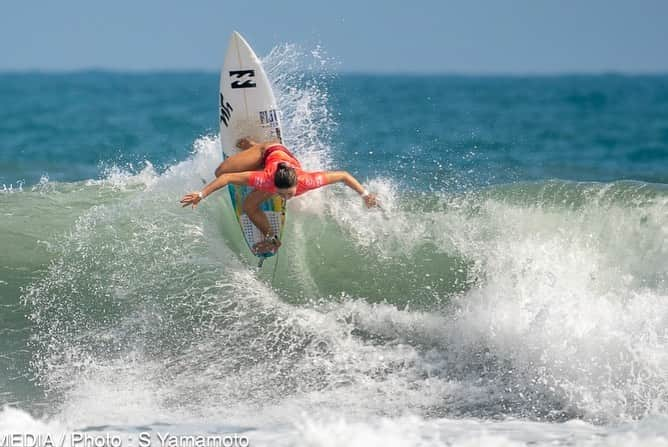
243 78
268 117
225 110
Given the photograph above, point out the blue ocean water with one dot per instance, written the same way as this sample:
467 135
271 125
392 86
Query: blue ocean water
503 129
512 291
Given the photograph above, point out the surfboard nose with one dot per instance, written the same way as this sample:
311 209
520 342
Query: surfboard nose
236 36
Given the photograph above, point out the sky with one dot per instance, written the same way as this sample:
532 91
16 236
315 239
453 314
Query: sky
417 36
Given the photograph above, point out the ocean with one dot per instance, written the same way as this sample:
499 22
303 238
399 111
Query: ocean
512 290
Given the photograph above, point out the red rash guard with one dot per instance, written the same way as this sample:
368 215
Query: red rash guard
275 154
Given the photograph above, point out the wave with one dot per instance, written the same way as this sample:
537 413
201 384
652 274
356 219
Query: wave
540 300
536 300
417 245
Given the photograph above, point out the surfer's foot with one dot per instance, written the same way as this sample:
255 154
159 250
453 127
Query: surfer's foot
245 143
263 248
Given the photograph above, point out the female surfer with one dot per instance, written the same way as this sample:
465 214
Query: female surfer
270 169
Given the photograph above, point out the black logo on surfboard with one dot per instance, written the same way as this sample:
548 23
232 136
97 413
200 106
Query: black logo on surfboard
244 78
268 117
225 110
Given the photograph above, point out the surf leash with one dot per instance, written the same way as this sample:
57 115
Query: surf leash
278 253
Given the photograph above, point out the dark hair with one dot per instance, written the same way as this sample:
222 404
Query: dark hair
285 176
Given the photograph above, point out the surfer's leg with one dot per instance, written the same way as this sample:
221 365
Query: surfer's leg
251 207
250 159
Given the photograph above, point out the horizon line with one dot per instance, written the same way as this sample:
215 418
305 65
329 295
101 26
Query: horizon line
453 73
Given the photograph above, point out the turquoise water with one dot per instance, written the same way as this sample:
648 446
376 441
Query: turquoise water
512 290
504 129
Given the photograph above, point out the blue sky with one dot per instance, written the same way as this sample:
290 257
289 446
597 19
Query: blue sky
474 36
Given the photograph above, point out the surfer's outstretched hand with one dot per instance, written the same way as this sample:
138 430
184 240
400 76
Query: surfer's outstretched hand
191 199
370 200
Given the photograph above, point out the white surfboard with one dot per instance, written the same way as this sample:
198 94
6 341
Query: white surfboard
248 109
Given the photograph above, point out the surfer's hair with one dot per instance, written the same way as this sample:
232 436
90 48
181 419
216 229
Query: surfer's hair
285 176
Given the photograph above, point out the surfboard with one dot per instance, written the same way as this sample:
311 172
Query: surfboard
248 109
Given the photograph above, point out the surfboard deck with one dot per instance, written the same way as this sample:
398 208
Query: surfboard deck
248 109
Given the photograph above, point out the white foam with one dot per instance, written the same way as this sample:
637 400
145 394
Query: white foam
12 187
13 420
416 431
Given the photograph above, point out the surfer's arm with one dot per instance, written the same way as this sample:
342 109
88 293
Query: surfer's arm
236 178
352 183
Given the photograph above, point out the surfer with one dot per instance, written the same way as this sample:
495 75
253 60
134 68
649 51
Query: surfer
270 169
